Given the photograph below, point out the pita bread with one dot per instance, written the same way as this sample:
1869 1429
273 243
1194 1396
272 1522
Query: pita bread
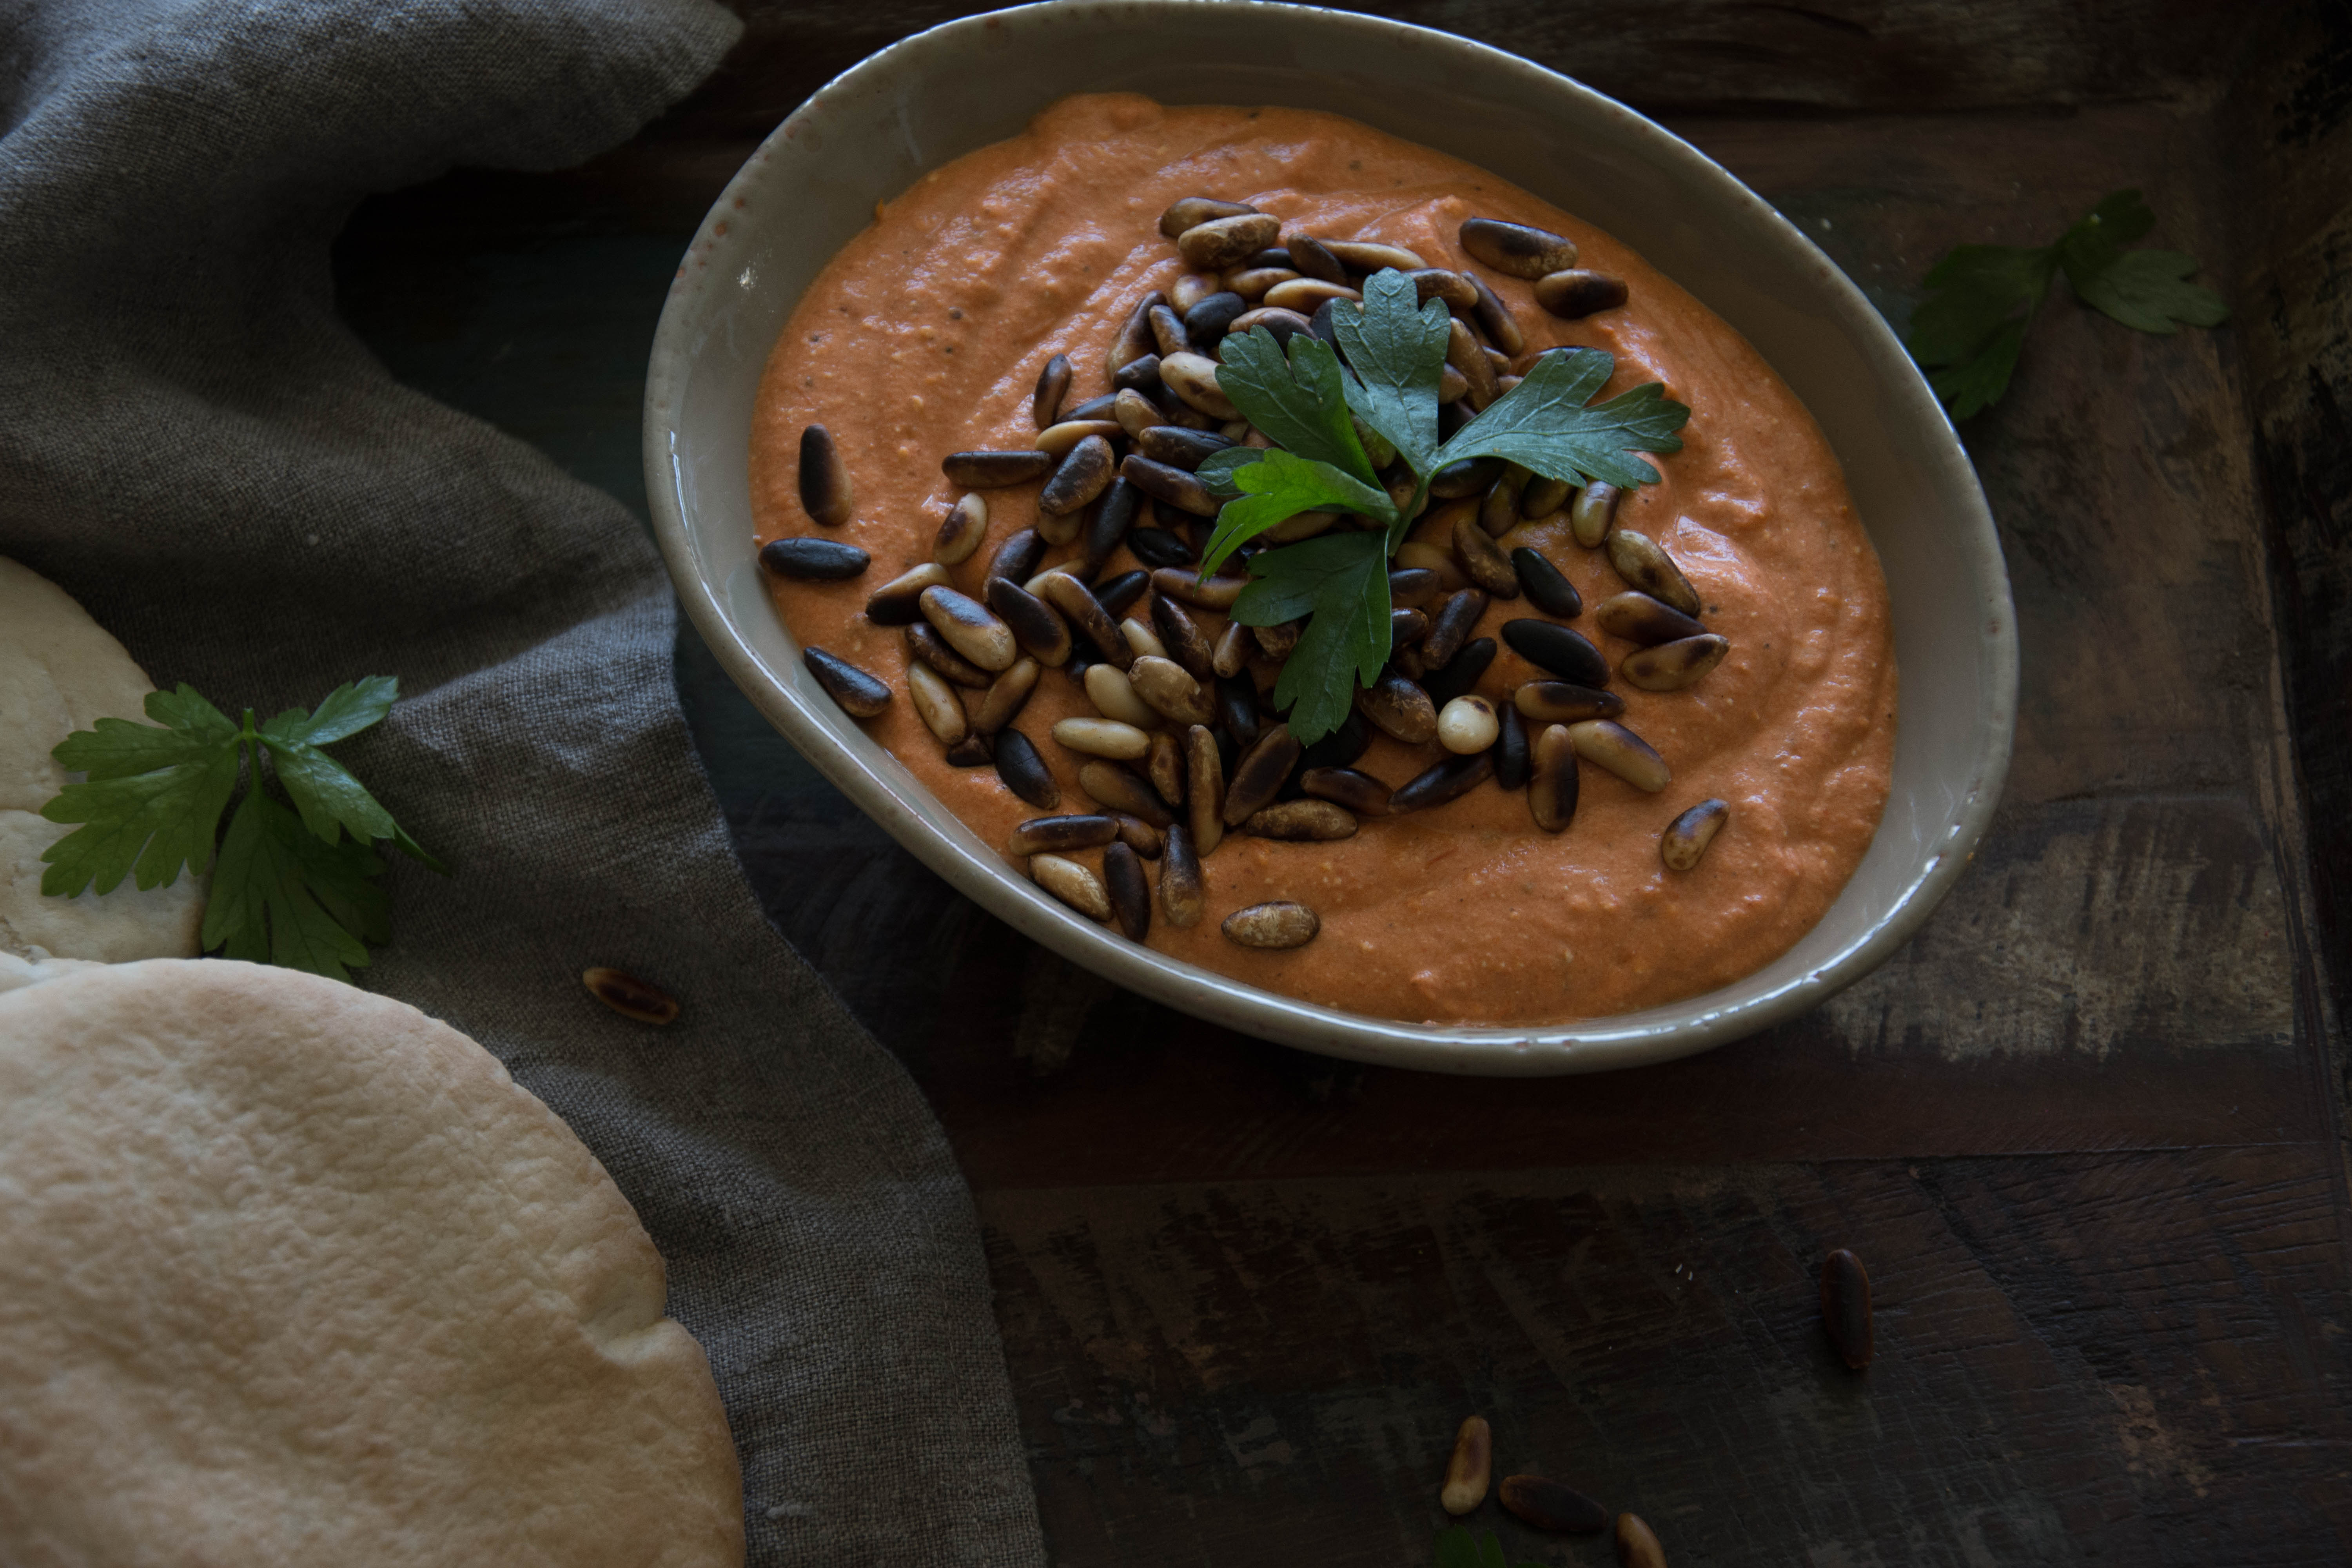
293 1274
126 924
59 672
16 972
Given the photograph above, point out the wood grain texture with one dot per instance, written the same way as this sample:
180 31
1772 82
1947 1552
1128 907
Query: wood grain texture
2094 1359
2291 122
1905 56
2085 1130
2106 978
2136 925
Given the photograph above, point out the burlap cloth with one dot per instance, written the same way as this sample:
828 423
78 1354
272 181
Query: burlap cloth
194 446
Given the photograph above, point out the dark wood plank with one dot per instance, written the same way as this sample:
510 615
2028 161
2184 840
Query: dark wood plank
2095 1358
1904 56
2120 466
2290 128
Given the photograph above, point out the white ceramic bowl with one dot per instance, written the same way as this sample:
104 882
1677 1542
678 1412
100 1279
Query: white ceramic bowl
871 133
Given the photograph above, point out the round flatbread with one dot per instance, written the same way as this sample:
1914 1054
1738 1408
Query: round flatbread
126 924
291 1274
59 672
16 972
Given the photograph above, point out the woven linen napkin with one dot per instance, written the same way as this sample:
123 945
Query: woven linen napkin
194 446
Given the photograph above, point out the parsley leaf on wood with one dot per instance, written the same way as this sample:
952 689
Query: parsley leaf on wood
1973 384
2149 292
1550 422
1341 581
289 888
2093 242
1459 1547
1968 335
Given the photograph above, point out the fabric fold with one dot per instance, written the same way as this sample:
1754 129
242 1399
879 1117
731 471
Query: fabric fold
194 446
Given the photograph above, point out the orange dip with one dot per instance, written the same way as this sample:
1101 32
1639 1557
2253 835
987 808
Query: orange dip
926 335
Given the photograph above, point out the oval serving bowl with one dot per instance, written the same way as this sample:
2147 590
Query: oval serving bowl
928 100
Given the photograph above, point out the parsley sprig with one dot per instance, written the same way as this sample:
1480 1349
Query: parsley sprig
1459 1547
289 888
1968 336
1311 401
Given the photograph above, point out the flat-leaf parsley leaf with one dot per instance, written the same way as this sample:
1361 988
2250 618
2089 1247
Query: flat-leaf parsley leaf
1341 581
289 887
1545 424
1298 402
1332 417
1276 487
1396 349
1982 297
1459 1547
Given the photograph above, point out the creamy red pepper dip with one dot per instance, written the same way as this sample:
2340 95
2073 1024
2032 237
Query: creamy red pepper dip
925 336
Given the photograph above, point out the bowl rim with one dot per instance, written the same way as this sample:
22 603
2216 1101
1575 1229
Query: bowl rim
978 872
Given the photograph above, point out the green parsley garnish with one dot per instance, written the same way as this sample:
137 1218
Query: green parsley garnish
1969 335
1458 1547
290 889
1312 403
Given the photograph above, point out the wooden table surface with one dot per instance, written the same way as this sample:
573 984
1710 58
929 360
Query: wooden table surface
2087 1130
